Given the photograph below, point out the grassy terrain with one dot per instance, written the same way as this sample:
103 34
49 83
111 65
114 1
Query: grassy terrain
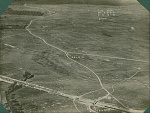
96 2
66 32
77 29
43 102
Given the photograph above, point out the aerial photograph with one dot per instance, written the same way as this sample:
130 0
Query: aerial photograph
74 56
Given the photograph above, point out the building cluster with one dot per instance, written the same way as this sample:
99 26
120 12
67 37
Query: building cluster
107 110
73 56
104 14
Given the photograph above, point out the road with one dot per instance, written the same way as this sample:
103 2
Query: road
74 98
67 54
81 100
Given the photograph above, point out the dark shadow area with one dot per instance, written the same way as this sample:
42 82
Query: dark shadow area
0 44
92 2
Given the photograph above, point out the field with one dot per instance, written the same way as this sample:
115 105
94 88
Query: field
72 49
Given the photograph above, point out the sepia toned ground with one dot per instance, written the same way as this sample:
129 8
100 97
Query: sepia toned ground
75 50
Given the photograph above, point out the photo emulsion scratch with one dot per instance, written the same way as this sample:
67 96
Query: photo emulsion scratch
74 56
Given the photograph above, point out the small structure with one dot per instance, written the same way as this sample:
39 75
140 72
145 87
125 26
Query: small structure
132 29
27 75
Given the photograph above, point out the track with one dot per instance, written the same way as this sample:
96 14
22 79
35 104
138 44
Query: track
82 100
78 99
66 53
